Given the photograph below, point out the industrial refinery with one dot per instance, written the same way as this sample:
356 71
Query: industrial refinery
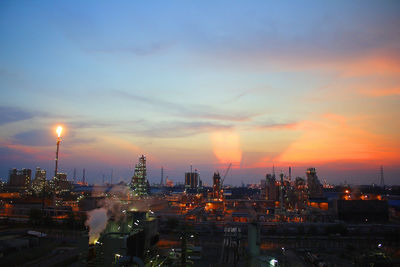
281 221
200 133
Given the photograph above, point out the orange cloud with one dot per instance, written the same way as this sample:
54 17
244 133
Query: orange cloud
382 65
278 126
333 138
381 92
35 152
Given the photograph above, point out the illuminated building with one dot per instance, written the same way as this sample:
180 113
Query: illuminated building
63 184
60 183
169 183
139 183
20 179
301 193
39 182
314 186
191 180
216 185
281 192
270 187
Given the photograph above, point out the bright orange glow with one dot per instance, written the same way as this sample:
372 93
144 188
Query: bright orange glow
226 147
59 130
336 138
381 92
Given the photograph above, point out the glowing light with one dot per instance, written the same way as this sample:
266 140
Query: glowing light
226 147
59 130
273 262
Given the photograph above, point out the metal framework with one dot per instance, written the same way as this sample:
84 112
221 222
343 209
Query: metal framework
139 179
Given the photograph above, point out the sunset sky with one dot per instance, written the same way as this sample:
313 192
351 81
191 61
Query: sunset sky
252 83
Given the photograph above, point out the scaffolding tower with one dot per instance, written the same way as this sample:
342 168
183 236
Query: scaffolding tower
139 183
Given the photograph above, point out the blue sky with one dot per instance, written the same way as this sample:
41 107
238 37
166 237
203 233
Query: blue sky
254 83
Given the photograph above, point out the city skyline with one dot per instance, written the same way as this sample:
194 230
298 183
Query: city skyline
299 84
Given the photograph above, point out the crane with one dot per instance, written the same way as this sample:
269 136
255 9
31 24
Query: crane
226 172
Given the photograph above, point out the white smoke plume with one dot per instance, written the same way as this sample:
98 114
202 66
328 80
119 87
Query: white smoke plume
112 208
97 222
98 218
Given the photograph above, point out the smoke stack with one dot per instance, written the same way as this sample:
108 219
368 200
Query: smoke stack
382 183
83 176
162 176
273 170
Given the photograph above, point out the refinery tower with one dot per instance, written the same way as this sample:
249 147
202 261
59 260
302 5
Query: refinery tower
139 183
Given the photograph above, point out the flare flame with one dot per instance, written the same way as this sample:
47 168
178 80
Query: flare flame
59 130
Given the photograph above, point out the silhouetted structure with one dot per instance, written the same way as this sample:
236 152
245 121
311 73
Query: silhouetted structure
162 176
270 189
382 184
314 186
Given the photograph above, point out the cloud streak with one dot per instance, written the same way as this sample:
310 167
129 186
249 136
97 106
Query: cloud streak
175 129
188 111
15 114
277 126
381 92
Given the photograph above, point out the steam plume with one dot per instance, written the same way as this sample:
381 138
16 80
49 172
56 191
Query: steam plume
97 222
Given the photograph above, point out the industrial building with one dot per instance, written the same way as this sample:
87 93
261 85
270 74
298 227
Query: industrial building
313 183
216 185
39 182
139 183
20 179
191 180
128 239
